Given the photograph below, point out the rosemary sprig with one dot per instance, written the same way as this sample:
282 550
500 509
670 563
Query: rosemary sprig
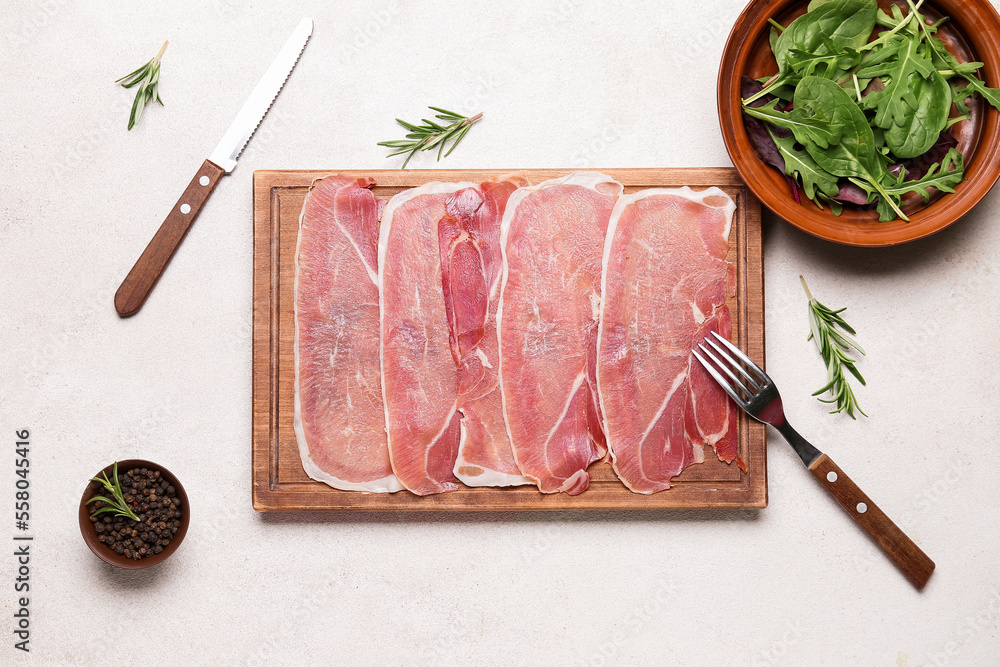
117 504
832 336
147 78
430 134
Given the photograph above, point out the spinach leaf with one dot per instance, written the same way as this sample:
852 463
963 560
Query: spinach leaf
922 124
827 28
817 129
920 165
799 163
855 155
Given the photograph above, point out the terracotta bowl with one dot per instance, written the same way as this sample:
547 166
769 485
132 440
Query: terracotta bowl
973 33
100 549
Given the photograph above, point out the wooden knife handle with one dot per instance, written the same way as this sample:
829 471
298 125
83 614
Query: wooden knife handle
900 549
140 280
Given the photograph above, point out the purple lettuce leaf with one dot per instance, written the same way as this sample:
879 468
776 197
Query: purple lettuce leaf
916 168
757 131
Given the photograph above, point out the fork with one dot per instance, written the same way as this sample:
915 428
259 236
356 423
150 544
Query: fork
757 395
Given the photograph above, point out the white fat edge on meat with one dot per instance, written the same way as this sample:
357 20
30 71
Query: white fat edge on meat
385 226
388 484
699 197
624 202
711 439
488 477
588 179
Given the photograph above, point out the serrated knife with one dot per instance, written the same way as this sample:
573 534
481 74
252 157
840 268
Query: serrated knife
143 276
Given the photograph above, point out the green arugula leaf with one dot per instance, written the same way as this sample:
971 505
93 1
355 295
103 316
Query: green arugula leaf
798 163
960 92
991 95
892 103
831 66
816 129
944 176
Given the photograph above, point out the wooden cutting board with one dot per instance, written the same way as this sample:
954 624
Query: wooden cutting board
279 482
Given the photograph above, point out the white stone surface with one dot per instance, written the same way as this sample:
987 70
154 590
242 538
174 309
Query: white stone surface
562 84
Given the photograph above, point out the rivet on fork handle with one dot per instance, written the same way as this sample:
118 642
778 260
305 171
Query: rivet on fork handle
899 548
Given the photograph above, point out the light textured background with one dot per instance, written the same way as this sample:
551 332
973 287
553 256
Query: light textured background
572 83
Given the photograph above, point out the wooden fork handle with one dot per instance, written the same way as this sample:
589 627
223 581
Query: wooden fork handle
900 549
140 280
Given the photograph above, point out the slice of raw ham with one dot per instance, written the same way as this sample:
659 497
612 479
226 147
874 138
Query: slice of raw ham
664 286
420 377
552 237
339 417
469 236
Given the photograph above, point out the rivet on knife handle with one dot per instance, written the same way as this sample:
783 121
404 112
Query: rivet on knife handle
899 548
140 280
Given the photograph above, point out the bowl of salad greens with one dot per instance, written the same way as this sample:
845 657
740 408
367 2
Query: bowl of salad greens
865 122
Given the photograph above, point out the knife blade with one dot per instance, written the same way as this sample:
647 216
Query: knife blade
140 280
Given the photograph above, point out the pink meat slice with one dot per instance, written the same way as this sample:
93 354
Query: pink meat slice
665 283
469 243
552 237
339 416
420 378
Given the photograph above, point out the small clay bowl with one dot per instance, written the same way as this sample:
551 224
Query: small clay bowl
973 33
100 549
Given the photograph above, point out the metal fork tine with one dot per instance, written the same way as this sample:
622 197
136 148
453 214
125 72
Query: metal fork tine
735 365
724 367
747 360
722 381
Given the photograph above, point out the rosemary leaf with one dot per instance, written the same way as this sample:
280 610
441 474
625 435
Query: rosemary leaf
117 502
432 134
147 78
832 336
